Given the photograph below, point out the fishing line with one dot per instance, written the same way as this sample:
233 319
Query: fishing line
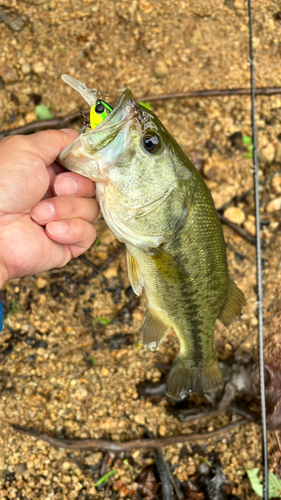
258 260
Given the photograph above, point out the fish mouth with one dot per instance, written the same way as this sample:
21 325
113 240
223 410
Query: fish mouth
123 110
89 143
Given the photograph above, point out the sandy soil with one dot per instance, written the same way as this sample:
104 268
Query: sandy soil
70 352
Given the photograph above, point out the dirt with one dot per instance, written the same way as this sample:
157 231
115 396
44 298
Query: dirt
70 350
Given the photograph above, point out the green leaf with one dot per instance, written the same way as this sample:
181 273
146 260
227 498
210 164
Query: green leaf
97 242
246 139
274 483
255 481
146 105
105 478
43 112
102 321
205 460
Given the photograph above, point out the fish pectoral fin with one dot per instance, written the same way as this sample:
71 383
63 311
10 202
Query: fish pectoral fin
134 274
186 377
233 304
154 330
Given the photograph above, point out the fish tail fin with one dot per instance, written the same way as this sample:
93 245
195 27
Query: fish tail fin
185 378
233 305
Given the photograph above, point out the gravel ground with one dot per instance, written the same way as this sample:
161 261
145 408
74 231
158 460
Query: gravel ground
70 352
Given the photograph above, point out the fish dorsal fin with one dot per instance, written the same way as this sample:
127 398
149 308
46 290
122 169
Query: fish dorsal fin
154 330
233 305
134 274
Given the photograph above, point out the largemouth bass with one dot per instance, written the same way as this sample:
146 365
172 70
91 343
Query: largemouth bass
156 202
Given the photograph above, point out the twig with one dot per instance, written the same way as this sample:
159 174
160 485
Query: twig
102 267
63 121
245 234
115 446
54 123
162 469
211 93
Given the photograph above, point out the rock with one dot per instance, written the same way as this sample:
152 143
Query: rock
26 68
104 372
94 458
15 22
41 282
267 154
39 68
81 393
8 74
250 226
235 214
146 7
276 184
278 154
224 194
274 205
239 4
140 419
162 430
20 468
30 117
161 69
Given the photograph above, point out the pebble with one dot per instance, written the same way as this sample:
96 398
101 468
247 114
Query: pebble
274 205
94 458
26 68
30 117
276 184
39 68
140 419
267 154
8 74
235 214
146 7
250 226
278 154
239 4
81 393
41 282
20 468
161 69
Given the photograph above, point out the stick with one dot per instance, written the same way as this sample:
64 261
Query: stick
115 446
64 121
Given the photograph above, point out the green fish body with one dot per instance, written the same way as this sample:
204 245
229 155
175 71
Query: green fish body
156 202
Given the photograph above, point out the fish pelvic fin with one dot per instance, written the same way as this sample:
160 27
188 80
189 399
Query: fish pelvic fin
233 305
186 377
154 330
134 274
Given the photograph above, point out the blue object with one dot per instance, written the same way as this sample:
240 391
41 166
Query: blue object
1 317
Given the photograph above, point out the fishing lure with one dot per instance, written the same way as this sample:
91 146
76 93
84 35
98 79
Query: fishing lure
99 108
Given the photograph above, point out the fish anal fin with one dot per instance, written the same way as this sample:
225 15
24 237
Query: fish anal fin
154 331
186 377
233 305
134 274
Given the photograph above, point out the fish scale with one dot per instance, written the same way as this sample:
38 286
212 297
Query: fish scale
156 202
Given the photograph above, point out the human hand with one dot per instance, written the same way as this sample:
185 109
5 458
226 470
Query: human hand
38 235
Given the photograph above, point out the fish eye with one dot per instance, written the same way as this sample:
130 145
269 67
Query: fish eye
151 142
99 107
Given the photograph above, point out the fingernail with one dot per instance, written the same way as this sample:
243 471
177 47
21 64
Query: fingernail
65 186
57 228
43 212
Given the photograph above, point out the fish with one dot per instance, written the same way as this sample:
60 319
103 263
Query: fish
156 202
